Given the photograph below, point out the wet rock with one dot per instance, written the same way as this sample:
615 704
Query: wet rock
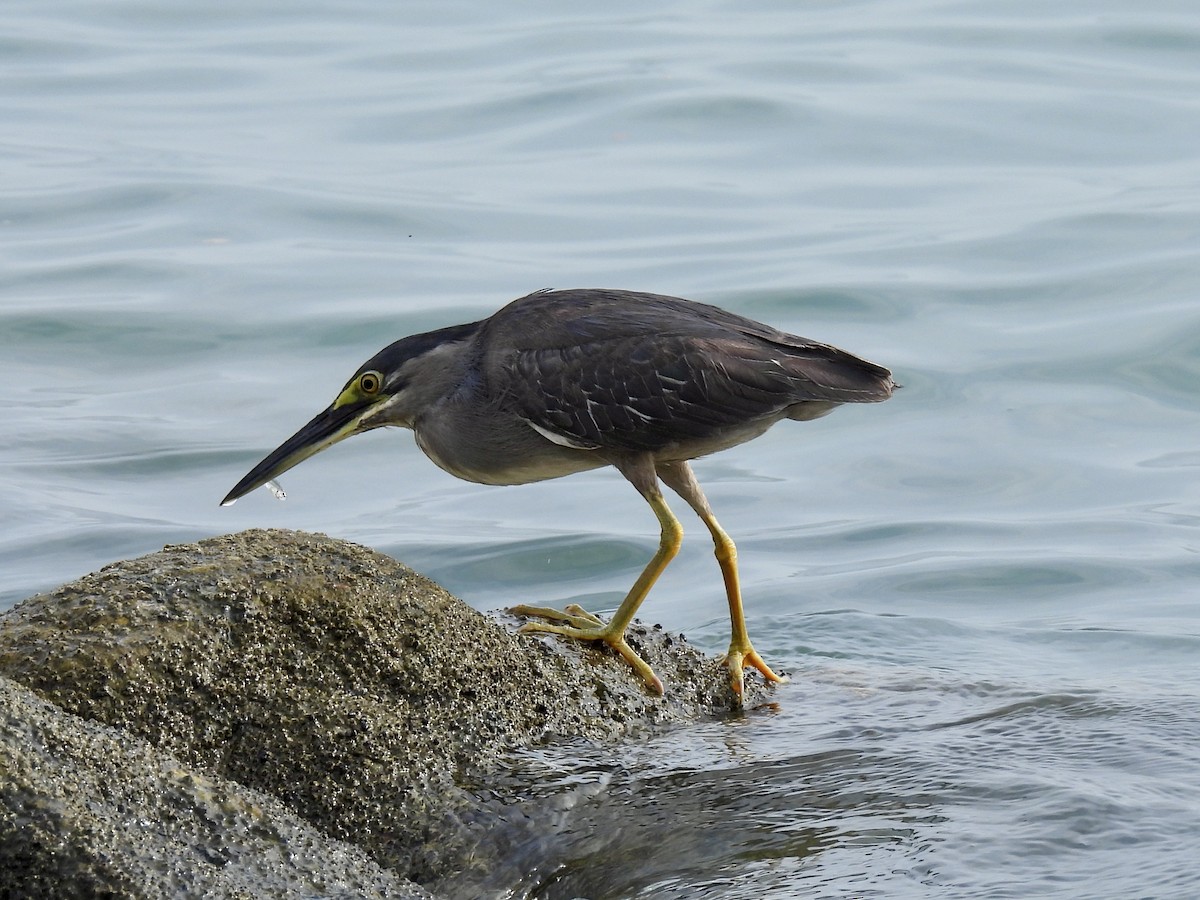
90 811
361 696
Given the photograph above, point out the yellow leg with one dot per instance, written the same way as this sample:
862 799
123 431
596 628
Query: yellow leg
582 625
741 652
679 477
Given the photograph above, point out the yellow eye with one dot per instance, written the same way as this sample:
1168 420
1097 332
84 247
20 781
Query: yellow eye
370 382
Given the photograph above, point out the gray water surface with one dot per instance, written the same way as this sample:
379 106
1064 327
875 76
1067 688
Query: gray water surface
984 589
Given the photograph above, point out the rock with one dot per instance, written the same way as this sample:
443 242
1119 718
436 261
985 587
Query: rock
90 811
361 696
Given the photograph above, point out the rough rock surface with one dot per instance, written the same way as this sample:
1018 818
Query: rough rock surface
318 680
89 811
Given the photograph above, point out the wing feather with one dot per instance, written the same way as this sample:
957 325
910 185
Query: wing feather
635 372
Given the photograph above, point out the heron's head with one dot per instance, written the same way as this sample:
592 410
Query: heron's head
391 388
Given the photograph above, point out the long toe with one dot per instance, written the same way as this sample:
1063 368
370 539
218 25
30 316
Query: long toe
583 626
579 612
574 615
639 665
740 658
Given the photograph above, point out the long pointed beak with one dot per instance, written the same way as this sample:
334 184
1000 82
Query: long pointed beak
325 430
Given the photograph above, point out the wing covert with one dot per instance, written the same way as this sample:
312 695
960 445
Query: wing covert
633 372
642 393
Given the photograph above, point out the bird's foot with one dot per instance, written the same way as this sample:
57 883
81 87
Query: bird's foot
742 656
583 626
574 615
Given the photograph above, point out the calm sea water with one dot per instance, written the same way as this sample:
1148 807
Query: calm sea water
985 589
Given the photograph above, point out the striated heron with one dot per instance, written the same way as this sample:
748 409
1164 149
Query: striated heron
564 381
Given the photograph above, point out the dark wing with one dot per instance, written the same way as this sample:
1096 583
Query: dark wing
633 372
